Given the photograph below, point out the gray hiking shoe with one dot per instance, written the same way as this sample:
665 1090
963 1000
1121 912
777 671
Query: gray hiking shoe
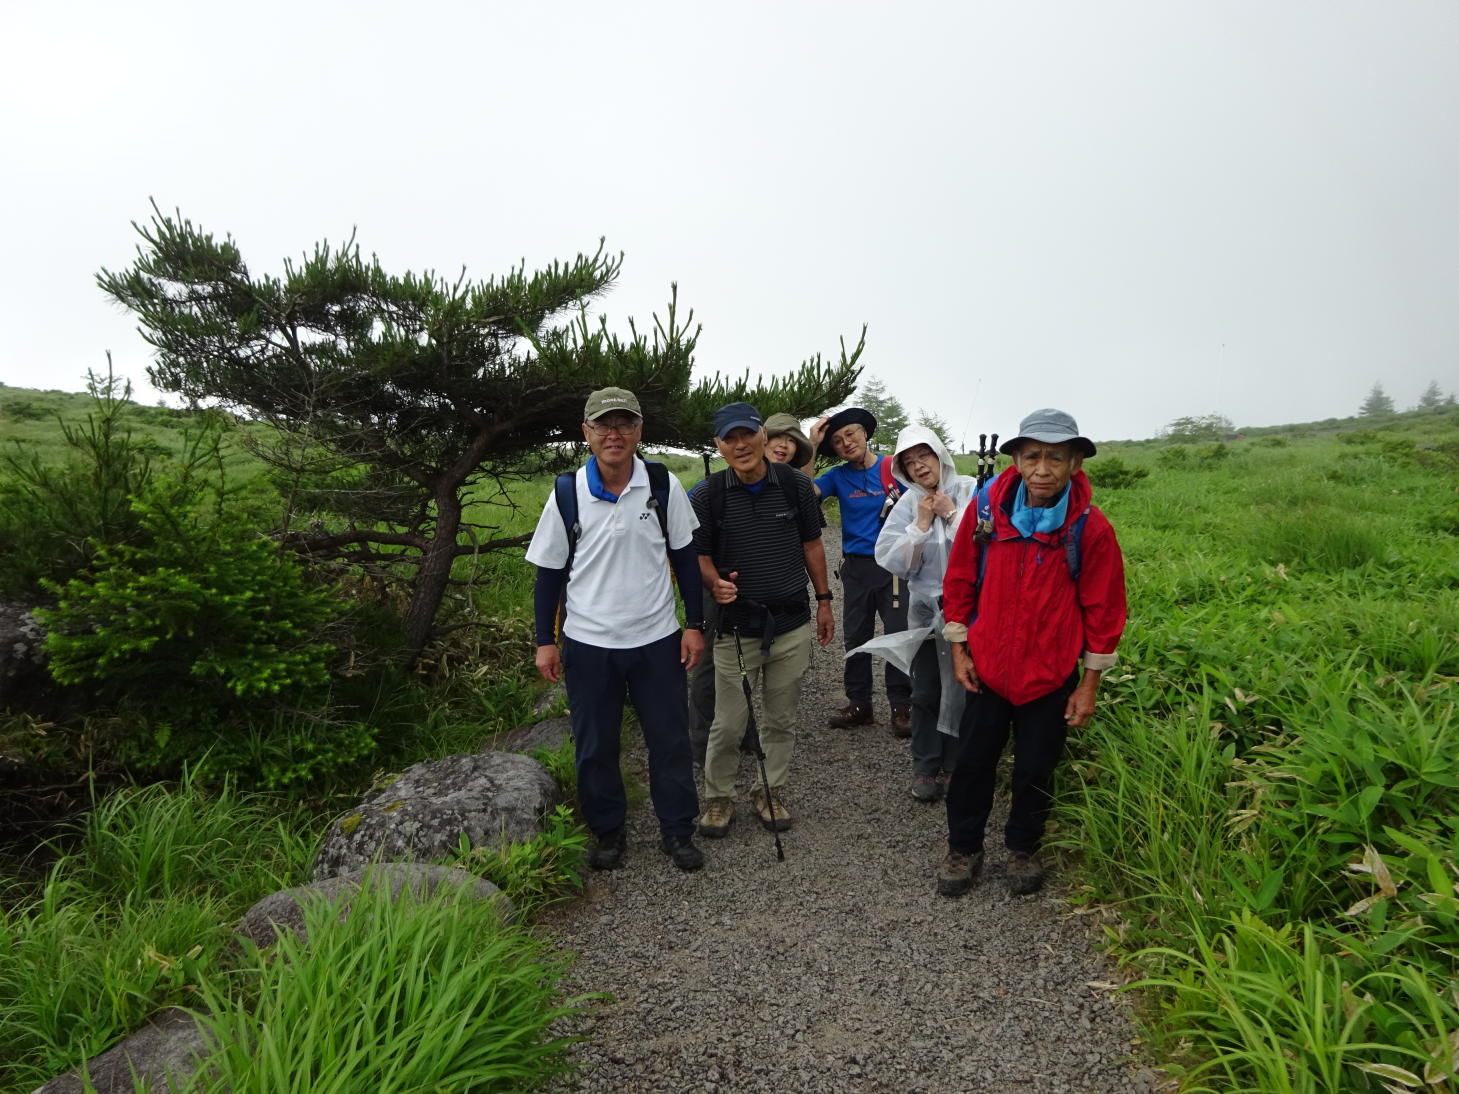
1025 873
955 875
925 788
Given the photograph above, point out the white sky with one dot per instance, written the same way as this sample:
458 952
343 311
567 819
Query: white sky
1131 210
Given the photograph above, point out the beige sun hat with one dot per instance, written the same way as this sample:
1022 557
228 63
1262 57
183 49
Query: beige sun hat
787 425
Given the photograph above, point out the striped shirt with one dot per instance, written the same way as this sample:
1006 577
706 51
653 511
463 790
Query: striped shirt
762 539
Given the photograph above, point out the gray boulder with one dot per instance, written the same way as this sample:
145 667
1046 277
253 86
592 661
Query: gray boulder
284 911
548 733
164 1052
549 698
491 798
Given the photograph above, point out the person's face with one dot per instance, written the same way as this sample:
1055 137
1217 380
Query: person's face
743 449
1046 469
849 442
612 438
923 467
780 448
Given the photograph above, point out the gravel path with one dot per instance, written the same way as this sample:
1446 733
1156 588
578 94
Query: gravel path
839 969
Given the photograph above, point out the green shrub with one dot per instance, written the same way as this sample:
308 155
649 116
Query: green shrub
1175 456
201 610
22 410
1112 473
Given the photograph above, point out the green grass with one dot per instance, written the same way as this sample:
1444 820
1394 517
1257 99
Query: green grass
141 901
403 995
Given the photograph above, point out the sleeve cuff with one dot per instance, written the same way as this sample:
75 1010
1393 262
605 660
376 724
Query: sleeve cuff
955 632
1101 662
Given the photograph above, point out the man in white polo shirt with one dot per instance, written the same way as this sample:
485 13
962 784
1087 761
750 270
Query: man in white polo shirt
620 632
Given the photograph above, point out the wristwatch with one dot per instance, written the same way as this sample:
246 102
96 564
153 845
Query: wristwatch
698 626
824 596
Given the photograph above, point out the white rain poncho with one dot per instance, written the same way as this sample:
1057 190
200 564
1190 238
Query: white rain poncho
920 558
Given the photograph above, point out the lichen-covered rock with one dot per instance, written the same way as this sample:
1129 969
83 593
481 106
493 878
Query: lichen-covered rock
164 1053
491 798
548 733
284 911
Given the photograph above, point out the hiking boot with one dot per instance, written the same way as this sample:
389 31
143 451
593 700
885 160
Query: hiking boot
714 822
955 875
901 722
1025 873
606 850
681 849
781 820
925 788
852 714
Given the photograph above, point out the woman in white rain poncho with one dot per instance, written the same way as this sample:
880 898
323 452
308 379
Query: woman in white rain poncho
914 545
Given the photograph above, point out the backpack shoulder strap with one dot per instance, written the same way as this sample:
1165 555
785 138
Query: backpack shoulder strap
565 490
1072 540
983 531
658 488
715 487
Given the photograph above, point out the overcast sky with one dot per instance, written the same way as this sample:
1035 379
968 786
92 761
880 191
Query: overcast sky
1134 211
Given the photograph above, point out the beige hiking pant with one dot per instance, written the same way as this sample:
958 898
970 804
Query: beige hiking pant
779 674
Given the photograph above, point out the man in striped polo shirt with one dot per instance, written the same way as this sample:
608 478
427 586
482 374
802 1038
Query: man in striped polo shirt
759 538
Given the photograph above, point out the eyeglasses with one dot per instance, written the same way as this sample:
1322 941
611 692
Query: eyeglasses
625 429
921 457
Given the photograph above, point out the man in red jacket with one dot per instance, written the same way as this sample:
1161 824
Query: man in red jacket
1034 585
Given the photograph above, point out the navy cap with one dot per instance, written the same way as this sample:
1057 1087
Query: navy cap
736 416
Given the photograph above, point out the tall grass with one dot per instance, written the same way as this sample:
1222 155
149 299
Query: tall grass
140 903
404 995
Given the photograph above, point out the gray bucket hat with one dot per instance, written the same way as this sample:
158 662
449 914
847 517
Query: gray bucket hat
787 425
1050 426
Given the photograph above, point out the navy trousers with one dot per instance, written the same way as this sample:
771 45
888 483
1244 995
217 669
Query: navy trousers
597 679
1039 731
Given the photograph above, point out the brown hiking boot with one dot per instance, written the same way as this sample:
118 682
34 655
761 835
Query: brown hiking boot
955 874
714 822
780 820
1025 873
852 714
901 722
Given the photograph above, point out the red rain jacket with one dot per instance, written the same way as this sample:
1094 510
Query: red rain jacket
1033 622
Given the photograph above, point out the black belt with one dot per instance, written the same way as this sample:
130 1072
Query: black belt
852 554
767 613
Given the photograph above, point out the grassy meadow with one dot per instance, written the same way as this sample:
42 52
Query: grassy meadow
1264 814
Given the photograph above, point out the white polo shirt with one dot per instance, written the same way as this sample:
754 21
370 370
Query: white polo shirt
619 594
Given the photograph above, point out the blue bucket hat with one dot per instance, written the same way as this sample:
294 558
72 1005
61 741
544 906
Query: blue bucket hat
1051 427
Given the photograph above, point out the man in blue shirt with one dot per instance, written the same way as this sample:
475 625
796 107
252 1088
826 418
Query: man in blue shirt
868 590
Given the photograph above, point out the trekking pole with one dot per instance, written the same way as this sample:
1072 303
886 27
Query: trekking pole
982 459
706 463
753 732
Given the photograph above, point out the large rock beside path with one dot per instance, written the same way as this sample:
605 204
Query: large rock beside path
284 911
164 1053
490 798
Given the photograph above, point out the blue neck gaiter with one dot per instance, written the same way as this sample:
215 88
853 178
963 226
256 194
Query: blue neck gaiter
1049 518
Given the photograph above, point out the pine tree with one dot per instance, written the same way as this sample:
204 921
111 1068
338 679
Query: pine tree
1377 404
414 390
1432 398
890 415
